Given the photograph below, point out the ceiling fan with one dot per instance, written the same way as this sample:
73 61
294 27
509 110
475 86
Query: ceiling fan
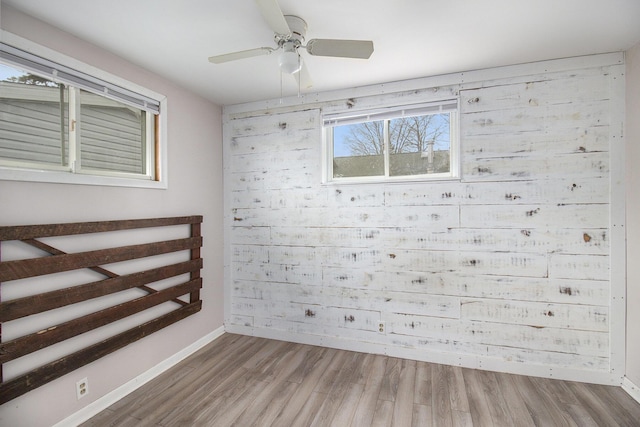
289 35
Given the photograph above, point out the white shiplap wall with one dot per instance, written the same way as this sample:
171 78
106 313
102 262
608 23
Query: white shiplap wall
508 268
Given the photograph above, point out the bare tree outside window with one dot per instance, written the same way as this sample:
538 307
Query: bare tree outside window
417 145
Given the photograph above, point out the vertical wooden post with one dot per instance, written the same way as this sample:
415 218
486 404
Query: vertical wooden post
196 231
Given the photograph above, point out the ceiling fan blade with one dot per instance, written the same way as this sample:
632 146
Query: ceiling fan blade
273 15
219 59
341 48
303 78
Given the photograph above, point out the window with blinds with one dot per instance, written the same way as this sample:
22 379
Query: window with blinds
54 118
393 144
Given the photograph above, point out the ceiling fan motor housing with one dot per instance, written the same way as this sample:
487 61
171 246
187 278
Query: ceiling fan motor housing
298 29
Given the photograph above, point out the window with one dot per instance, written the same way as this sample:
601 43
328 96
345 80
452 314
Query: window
403 143
60 124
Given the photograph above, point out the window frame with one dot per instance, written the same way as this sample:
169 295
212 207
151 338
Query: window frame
389 113
155 145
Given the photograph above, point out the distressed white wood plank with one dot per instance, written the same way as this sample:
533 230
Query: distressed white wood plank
566 316
349 195
290 138
350 277
537 144
249 199
296 198
520 336
311 217
498 263
273 180
508 288
422 216
570 241
275 123
250 254
325 236
352 299
541 190
588 165
587 267
336 256
296 274
422 95
442 350
535 216
567 90
292 160
528 119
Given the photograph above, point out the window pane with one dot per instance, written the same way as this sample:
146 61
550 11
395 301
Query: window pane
358 150
419 145
32 118
112 135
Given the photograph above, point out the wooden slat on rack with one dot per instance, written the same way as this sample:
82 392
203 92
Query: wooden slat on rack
49 372
21 269
21 307
19 347
24 232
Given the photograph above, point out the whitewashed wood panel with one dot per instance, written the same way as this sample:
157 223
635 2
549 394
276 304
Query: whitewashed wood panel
283 161
250 253
289 139
534 240
498 263
521 336
350 277
353 299
275 124
349 195
295 274
535 216
297 198
587 165
507 288
537 144
324 256
566 316
393 99
241 320
563 90
454 351
311 217
316 331
541 190
435 217
527 119
587 267
325 236
249 199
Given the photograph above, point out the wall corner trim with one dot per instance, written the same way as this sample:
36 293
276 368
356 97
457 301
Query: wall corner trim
110 398
632 389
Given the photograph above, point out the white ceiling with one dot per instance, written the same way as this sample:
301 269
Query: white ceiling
412 38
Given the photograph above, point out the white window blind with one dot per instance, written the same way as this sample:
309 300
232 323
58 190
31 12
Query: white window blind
61 73
349 117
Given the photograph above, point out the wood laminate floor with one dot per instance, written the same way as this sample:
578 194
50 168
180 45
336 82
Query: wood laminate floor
246 381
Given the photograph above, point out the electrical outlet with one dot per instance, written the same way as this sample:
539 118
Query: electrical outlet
382 327
82 388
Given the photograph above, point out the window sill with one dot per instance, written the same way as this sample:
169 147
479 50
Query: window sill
54 177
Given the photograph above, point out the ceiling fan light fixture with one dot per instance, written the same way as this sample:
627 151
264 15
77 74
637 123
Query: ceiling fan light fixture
289 59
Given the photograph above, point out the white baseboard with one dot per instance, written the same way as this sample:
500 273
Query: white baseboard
632 389
463 360
110 398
